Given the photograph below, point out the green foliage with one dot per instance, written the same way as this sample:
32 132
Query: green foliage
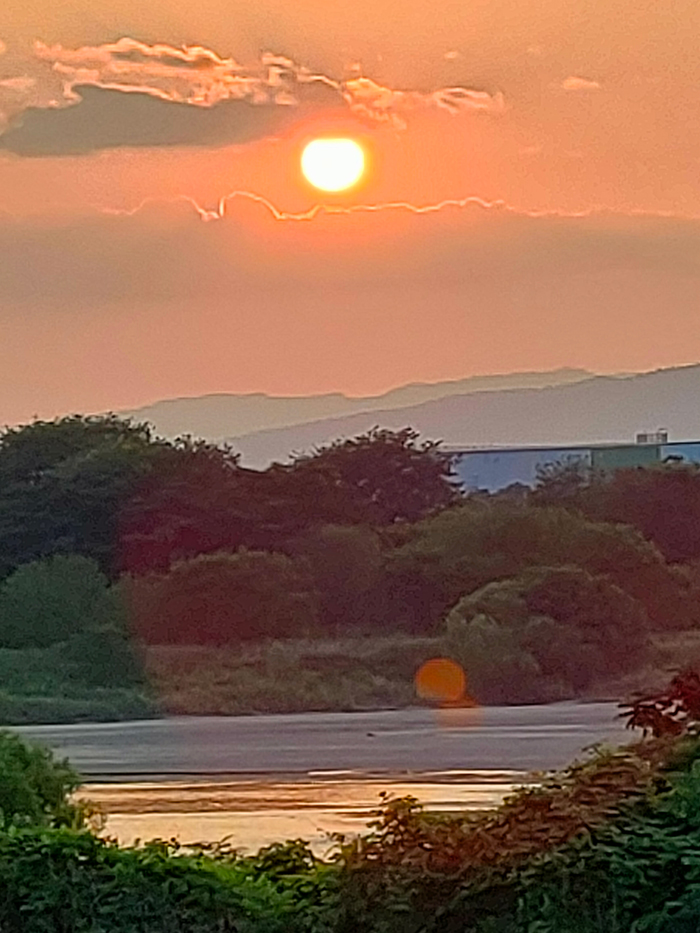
62 484
34 787
548 631
609 845
94 705
461 549
663 502
364 536
222 598
101 657
48 601
426 873
97 665
66 654
346 566
71 882
499 666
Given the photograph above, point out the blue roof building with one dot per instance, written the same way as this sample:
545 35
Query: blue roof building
493 469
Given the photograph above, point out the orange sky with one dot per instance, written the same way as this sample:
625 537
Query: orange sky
532 200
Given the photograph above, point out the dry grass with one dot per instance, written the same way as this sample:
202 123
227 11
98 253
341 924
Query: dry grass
348 674
289 676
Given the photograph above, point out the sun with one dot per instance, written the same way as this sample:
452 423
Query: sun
333 164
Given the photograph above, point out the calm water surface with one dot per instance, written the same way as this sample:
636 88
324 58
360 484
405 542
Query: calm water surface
262 779
251 814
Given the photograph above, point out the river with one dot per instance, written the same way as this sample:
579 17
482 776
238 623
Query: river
259 779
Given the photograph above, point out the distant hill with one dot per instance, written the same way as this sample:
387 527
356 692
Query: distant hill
220 416
597 409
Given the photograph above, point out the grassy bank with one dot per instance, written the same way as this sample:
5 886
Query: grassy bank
300 675
290 676
41 685
356 674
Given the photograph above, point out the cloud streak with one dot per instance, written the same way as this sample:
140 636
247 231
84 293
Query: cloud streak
221 210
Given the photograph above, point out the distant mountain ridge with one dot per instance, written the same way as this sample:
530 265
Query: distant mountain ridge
225 416
561 407
595 410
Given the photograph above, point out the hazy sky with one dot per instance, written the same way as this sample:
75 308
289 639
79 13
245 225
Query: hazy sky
532 198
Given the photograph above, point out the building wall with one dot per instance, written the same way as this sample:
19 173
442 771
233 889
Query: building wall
629 455
689 451
494 470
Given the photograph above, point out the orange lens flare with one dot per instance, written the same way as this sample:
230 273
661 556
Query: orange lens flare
441 680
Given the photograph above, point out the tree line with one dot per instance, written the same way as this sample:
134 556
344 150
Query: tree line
108 530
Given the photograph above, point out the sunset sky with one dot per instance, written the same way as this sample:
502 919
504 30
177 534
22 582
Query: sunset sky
531 198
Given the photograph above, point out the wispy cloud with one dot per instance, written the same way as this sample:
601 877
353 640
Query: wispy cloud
200 77
576 83
21 84
378 102
221 209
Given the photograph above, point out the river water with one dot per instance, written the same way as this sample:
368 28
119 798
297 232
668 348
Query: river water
250 814
260 779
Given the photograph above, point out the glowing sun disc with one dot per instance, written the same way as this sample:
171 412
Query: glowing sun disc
333 164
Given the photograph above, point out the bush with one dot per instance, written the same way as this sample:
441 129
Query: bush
34 787
663 502
460 550
499 668
48 601
545 633
346 568
72 882
101 658
74 681
222 598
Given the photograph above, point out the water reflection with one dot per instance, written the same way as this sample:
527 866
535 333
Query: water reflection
254 813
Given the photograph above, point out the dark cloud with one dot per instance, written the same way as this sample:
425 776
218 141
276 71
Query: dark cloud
129 93
106 119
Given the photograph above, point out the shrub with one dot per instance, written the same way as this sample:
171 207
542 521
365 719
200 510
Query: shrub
34 787
221 598
346 568
101 658
73 882
547 630
48 601
464 548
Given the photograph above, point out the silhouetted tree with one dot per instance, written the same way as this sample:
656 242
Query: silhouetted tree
381 477
62 484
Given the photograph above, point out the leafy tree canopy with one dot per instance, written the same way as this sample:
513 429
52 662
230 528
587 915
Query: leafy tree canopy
454 553
223 598
383 477
49 601
662 502
62 483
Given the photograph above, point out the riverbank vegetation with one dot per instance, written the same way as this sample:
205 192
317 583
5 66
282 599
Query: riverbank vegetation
140 576
611 843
